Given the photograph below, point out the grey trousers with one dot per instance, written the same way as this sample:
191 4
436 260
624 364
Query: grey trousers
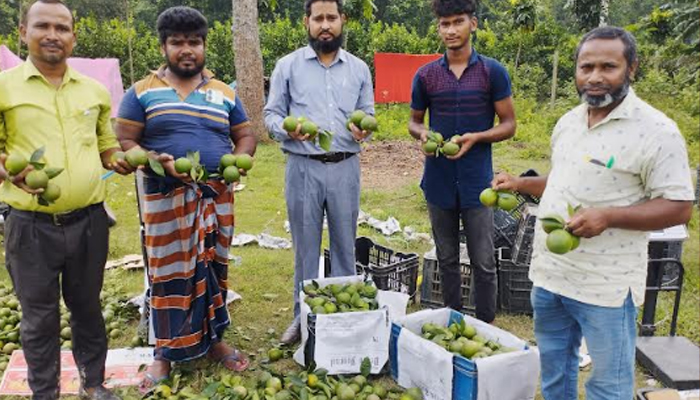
314 189
43 259
478 223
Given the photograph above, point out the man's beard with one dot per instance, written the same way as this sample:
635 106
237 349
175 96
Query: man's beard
326 46
185 73
604 100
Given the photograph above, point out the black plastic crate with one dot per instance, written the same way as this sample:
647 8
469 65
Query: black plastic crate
522 246
389 269
514 285
667 249
431 289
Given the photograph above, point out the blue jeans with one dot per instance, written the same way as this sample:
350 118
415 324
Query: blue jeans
610 334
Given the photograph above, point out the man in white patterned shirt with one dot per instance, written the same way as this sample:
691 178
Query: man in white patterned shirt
626 164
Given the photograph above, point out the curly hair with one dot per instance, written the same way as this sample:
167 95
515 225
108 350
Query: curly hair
181 19
446 8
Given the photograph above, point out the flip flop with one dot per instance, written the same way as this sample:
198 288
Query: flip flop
149 383
236 361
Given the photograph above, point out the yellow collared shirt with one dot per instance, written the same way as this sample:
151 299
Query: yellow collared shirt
71 122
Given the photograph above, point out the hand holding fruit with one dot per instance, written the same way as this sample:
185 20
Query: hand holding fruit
15 168
168 163
462 144
117 163
431 143
589 222
295 128
503 181
502 199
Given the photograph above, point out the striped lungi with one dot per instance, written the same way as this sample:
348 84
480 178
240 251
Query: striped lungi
188 232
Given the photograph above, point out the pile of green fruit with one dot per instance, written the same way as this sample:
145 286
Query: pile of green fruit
336 298
559 239
502 199
39 177
437 145
362 121
306 385
10 315
463 339
323 138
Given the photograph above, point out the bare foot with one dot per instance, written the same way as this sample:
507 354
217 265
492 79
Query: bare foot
231 358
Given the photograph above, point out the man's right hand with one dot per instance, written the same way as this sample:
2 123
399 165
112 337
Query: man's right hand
17 180
422 141
296 134
503 181
168 163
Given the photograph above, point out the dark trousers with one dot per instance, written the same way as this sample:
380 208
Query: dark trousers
43 258
478 223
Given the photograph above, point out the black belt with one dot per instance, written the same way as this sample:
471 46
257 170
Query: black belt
58 219
330 157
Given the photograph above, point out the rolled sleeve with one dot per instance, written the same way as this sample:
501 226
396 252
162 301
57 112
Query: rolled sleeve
666 171
131 111
277 106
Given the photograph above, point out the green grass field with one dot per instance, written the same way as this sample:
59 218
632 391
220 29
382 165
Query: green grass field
264 278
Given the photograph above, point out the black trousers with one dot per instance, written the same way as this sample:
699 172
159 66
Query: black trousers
478 223
43 256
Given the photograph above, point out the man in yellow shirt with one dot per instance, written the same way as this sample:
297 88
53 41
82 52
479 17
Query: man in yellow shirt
44 103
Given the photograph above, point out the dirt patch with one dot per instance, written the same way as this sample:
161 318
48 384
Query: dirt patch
390 165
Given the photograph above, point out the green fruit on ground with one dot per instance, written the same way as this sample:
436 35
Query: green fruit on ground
575 242
66 333
12 304
264 377
227 160
450 148
415 393
183 165
136 157
507 201
356 117
369 123
15 163
3 365
488 197
270 391
36 179
274 354
115 333
117 155
136 342
331 308
52 192
470 348
241 391
231 174
430 147
312 381
244 161
283 395
274 383
290 124
373 397
5 312
67 345
559 241
8 348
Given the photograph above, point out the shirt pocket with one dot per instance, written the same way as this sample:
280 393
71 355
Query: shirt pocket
84 121
616 186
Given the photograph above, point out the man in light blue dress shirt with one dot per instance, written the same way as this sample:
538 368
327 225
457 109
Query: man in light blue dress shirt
324 84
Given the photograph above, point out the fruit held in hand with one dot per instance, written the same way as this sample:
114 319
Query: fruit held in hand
227 160
136 157
560 241
15 163
507 201
488 197
183 165
231 174
52 192
244 161
290 124
369 123
37 179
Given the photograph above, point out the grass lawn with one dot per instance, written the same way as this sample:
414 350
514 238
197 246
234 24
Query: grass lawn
264 277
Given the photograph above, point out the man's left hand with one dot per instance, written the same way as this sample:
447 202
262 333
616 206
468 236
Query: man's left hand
589 222
358 134
466 142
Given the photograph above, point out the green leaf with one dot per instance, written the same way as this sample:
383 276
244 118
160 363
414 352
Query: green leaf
297 381
42 201
365 367
38 153
304 394
37 165
53 172
156 167
325 139
571 210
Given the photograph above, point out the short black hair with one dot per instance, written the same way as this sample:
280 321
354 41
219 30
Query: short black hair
612 33
308 3
181 19
25 10
446 8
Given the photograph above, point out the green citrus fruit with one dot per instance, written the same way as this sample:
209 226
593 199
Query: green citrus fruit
559 241
552 222
450 148
343 297
52 192
356 117
66 333
231 174
290 124
470 348
274 354
37 179
15 163
415 393
575 242
507 201
274 383
312 381
8 348
117 155
136 157
309 128
241 391
488 197
331 308
369 123
227 160
244 161
430 147
183 165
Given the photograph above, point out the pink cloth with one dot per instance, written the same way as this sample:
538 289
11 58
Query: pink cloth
103 70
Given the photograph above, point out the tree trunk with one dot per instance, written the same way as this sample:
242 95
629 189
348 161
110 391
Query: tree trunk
604 12
248 62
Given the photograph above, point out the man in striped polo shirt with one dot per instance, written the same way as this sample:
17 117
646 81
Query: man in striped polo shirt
464 91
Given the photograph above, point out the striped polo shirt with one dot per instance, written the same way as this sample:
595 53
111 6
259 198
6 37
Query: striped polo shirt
201 122
459 106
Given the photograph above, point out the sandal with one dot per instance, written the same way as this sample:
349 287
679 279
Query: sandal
236 361
149 383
